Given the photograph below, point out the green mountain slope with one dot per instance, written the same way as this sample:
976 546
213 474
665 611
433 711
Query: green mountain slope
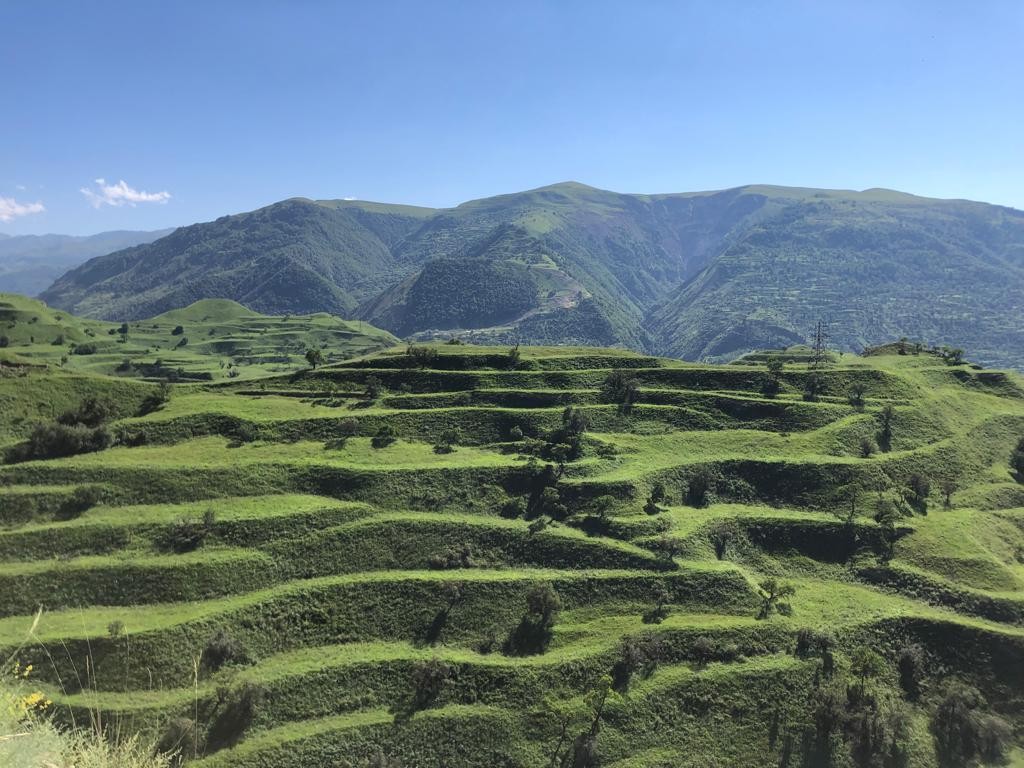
701 275
30 263
424 559
293 256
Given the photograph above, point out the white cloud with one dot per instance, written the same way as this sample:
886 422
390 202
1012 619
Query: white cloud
348 198
11 209
20 187
120 194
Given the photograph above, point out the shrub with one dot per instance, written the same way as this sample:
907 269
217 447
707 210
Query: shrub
178 330
422 357
428 678
771 387
51 441
637 655
911 665
237 709
1017 460
374 388
84 349
513 508
221 649
449 439
156 399
4 342
699 488
91 412
515 433
722 534
454 557
83 498
867 447
384 437
813 387
186 535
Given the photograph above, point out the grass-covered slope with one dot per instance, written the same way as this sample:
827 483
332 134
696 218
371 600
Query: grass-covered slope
460 556
703 276
296 256
208 340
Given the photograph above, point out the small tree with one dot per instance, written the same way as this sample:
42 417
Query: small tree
813 387
811 643
773 595
660 610
965 732
698 489
866 665
603 505
885 420
513 356
911 666
123 332
637 655
620 388
948 487
856 394
314 357
722 534
544 604
919 488
867 447
667 548
374 388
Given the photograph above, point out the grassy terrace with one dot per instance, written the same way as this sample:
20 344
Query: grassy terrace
321 567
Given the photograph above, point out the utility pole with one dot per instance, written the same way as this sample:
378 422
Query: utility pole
820 350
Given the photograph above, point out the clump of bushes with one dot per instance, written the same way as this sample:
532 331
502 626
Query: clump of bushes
222 649
384 437
52 441
454 557
187 535
534 631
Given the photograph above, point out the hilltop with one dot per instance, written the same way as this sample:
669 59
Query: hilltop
702 276
457 555
211 339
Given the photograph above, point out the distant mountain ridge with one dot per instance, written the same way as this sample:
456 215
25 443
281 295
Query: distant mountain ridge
701 275
30 263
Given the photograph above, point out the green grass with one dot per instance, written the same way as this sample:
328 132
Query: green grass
340 567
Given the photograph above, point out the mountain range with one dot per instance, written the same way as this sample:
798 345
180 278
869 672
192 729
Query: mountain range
703 275
29 263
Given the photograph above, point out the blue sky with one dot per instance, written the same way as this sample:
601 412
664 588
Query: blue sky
208 108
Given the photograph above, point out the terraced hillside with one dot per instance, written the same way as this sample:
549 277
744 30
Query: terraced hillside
212 339
469 556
